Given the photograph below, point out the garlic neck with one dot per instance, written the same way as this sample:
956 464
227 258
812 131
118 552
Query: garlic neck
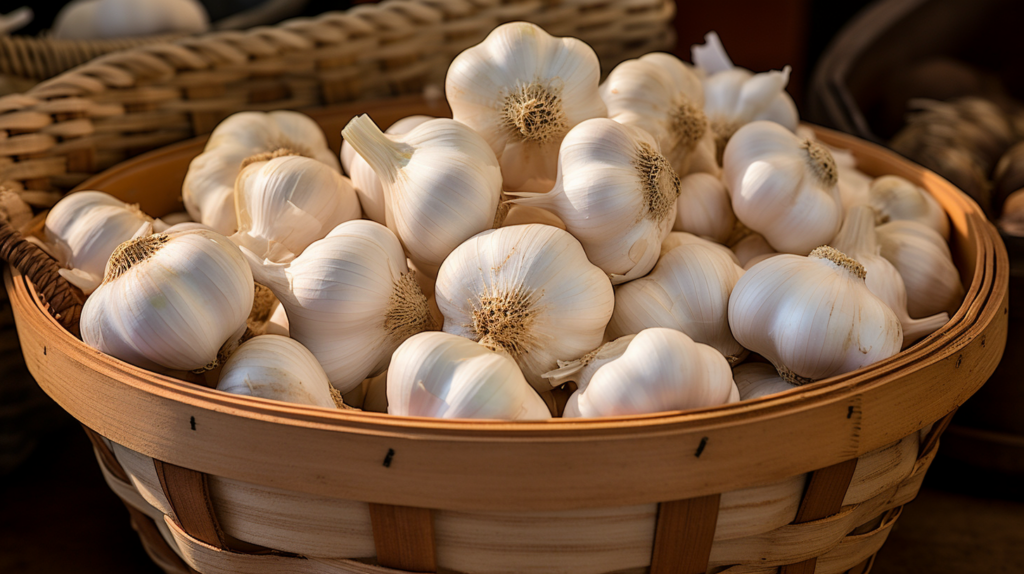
384 155
658 181
504 320
269 155
131 253
821 163
840 259
407 313
857 235
533 113
687 124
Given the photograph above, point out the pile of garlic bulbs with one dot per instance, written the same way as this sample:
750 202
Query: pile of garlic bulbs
667 240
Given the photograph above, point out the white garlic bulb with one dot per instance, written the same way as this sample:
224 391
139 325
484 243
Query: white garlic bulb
523 90
209 187
528 290
756 380
441 180
677 238
615 193
896 199
923 259
100 19
656 370
664 96
279 368
752 248
170 300
688 290
813 317
349 298
84 228
284 202
446 376
783 187
858 239
367 184
704 207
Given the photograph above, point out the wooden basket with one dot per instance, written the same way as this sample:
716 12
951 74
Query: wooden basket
808 481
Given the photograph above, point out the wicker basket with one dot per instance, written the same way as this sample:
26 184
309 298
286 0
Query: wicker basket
808 481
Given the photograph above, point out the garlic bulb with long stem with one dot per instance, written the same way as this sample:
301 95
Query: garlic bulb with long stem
756 380
367 184
528 290
656 370
783 187
896 199
441 180
349 298
923 259
615 193
689 291
279 368
284 202
523 90
813 317
446 376
857 239
209 187
176 300
84 228
704 207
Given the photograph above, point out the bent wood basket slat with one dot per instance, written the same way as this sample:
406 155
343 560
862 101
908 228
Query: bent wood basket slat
811 480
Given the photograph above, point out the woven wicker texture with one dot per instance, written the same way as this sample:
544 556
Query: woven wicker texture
40 58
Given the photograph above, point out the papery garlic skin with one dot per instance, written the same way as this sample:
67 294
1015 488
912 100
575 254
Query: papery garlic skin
897 199
688 290
208 190
349 298
285 203
446 376
170 300
783 187
923 259
528 290
659 370
581 370
84 228
278 368
523 90
812 317
756 380
615 193
441 180
367 184
704 207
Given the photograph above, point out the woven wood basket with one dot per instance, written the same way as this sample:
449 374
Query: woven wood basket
808 481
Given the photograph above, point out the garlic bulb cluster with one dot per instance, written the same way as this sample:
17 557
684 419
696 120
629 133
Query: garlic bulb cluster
441 180
655 370
84 228
349 298
528 290
284 202
170 300
208 190
367 184
925 263
279 368
783 187
523 90
615 193
446 376
896 199
813 317
756 380
704 207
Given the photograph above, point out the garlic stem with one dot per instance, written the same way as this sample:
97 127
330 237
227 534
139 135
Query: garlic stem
857 234
385 156
822 164
915 329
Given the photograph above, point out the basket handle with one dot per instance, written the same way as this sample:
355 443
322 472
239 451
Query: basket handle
43 272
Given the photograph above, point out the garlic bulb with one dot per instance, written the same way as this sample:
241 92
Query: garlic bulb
99 19
813 317
278 322
523 90
857 239
923 259
662 95
528 290
84 228
656 370
615 193
783 187
704 207
279 368
446 376
688 290
284 202
896 199
756 380
677 238
349 298
367 184
209 187
170 300
752 247
441 180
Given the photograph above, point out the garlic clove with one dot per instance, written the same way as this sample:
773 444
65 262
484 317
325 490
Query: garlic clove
446 376
756 380
925 263
752 247
278 368
704 207
896 199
